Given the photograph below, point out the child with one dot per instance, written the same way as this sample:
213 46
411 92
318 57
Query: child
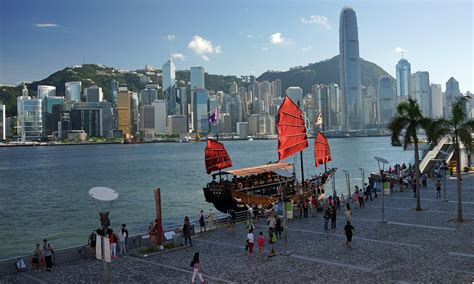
260 243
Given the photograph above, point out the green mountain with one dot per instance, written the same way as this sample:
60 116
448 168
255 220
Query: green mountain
323 72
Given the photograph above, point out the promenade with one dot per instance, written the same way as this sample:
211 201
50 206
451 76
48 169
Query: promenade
426 246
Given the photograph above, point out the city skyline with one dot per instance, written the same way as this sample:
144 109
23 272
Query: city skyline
39 39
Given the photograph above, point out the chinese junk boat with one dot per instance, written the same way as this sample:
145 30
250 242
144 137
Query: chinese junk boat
264 185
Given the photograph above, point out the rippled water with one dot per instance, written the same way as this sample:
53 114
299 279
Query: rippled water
44 190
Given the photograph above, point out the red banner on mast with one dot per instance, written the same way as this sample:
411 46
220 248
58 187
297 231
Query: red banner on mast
322 153
292 136
217 157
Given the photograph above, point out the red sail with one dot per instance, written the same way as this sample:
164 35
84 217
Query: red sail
291 130
322 154
216 156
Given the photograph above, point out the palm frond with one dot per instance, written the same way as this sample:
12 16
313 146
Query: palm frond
464 136
438 129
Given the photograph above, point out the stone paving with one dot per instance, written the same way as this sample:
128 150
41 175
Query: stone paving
426 246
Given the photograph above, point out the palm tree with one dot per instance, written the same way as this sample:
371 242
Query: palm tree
409 118
458 128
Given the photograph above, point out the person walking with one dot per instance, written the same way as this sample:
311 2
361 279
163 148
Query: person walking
349 230
338 203
327 215
92 242
121 241
210 219
250 241
305 207
438 189
361 199
48 254
196 265
314 205
278 227
271 240
113 243
187 232
272 223
36 260
356 197
202 223
125 231
348 212
333 217
369 192
260 243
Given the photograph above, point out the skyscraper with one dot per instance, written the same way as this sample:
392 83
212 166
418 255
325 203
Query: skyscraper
3 122
349 66
44 90
30 117
169 84
403 77
73 91
420 91
436 101
451 93
197 78
200 111
296 95
386 100
276 88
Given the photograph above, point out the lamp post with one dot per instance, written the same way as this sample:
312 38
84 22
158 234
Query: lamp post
286 174
103 197
446 155
381 169
348 183
362 173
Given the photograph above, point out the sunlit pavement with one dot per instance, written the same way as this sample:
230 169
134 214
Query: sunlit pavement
426 246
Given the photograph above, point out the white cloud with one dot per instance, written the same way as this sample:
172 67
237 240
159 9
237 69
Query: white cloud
306 48
169 37
46 25
318 20
277 39
179 56
400 50
203 47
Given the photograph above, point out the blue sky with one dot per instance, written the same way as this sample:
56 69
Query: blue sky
231 37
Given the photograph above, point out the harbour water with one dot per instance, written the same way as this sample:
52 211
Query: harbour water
44 190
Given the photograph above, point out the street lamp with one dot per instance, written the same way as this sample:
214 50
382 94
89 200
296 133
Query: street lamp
348 183
381 169
362 173
286 174
446 154
103 196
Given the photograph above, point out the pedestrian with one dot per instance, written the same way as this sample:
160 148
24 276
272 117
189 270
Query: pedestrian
210 219
233 216
278 227
36 259
92 242
250 240
48 254
125 231
413 186
338 203
113 243
330 201
196 265
187 232
356 198
326 219
271 240
333 217
348 212
361 199
424 179
260 243
300 208
151 233
349 230
121 241
255 212
438 189
202 223
368 188
305 207
314 205
272 223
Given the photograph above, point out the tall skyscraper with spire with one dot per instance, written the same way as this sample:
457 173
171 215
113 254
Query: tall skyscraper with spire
349 66
169 86
403 77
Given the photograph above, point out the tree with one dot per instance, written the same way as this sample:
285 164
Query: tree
458 129
409 118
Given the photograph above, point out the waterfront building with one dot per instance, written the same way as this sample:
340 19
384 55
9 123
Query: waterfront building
296 95
73 91
50 120
316 94
93 94
135 113
212 104
403 70
124 112
3 122
255 89
243 129
225 123
200 111
370 106
261 124
94 118
452 92
385 100
182 100
197 78
169 86
233 89
147 96
265 94
276 88
420 91
349 66
234 109
335 105
177 124
308 111
30 117
147 118
114 87
160 116
436 101
45 91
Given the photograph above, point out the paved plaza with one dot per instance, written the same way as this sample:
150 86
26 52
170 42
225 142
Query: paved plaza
426 246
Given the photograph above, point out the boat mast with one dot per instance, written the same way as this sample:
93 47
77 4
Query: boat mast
301 160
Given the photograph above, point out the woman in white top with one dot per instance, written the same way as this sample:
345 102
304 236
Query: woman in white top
250 241
347 212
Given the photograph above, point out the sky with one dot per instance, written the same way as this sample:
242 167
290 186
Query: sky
231 37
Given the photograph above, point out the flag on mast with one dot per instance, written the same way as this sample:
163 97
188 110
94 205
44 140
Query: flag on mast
214 117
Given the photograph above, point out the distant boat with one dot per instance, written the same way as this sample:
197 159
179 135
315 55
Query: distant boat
250 138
